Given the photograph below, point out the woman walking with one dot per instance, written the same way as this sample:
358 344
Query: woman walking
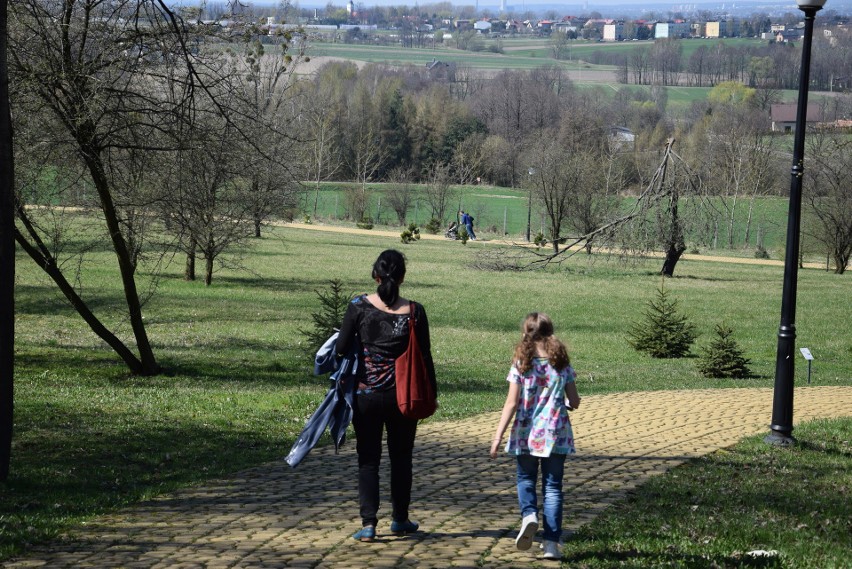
381 321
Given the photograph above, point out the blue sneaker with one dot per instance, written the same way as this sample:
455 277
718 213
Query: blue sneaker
401 528
366 533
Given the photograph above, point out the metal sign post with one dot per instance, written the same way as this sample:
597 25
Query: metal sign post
808 356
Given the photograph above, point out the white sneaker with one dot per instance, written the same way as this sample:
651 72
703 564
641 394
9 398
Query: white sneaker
551 550
529 525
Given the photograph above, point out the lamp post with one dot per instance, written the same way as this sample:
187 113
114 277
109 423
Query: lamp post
531 172
782 403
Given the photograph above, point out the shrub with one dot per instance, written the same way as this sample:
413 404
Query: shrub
761 253
434 226
664 333
365 223
411 234
723 357
540 240
463 235
333 305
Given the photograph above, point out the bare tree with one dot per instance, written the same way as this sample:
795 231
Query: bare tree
366 153
401 193
830 174
556 174
741 157
264 80
320 112
439 193
655 220
99 73
121 82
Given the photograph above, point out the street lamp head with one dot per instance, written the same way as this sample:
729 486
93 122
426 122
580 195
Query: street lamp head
810 4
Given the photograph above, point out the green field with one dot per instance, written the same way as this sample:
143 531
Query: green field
237 387
500 212
530 53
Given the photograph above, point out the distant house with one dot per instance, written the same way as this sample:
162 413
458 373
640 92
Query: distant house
482 26
621 137
784 116
788 36
441 70
545 26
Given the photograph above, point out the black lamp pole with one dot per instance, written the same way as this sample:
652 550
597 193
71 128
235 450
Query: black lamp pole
782 404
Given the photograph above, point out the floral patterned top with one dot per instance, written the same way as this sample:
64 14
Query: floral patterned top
541 426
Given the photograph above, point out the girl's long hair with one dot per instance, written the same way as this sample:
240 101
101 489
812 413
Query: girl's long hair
390 269
537 329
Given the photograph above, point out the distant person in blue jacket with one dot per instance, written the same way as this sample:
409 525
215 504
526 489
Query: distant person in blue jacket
380 320
467 221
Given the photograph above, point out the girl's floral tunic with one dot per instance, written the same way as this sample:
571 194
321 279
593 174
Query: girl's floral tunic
541 426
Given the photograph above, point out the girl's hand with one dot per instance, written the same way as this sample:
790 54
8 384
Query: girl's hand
495 447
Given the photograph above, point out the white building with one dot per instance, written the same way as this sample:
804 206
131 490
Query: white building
672 30
613 32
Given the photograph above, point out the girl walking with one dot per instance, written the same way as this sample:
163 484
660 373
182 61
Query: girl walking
541 392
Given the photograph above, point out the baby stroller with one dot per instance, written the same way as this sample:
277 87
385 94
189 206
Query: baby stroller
452 231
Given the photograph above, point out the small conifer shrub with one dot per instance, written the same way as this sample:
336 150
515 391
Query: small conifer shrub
329 317
664 332
723 357
410 234
464 235
434 226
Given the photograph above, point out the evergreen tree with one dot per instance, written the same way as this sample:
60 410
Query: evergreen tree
664 333
723 357
333 304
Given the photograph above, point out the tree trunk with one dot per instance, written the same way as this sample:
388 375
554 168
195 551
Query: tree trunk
672 257
7 259
38 254
208 270
841 261
92 159
731 224
189 271
257 217
748 222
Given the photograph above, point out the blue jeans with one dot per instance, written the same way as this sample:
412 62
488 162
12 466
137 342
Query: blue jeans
552 468
469 227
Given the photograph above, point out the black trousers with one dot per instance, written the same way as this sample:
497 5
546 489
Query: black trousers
375 412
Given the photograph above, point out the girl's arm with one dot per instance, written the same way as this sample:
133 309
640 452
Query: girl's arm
508 412
572 395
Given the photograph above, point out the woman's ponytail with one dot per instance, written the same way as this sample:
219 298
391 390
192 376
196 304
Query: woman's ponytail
389 268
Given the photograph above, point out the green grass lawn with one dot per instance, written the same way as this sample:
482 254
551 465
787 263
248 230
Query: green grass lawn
713 511
237 388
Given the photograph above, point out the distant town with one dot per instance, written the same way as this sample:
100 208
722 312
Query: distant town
782 23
